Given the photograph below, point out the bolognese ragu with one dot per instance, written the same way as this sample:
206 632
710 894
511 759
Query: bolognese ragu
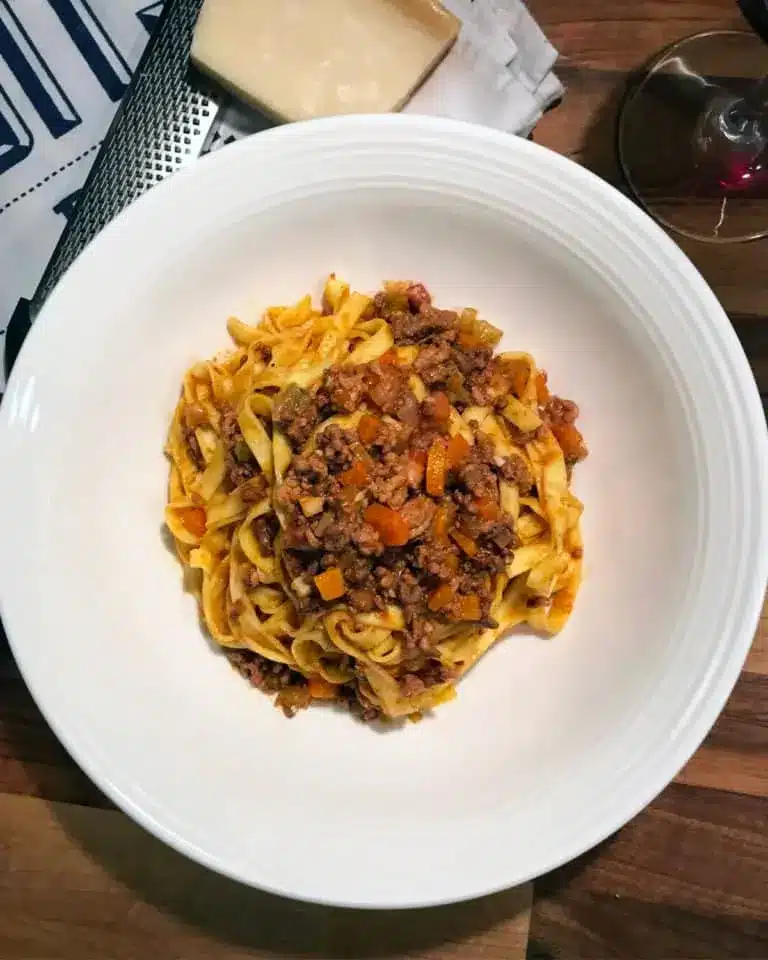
367 497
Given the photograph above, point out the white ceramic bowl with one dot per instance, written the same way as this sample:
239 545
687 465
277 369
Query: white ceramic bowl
551 744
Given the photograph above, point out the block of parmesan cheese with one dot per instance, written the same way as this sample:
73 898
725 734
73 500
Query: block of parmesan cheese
299 59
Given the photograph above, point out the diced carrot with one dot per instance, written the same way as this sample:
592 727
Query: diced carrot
321 689
368 428
417 464
330 584
466 543
194 520
392 528
517 371
441 407
468 339
436 468
356 476
389 358
468 607
441 597
570 440
487 508
563 601
440 524
458 449
542 390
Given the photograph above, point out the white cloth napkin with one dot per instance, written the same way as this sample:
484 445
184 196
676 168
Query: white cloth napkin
499 72
64 65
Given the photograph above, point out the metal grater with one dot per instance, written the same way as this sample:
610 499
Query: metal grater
165 121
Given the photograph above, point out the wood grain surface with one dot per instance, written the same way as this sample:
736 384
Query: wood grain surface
687 878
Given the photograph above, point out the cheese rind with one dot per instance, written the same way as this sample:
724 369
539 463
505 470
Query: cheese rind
299 59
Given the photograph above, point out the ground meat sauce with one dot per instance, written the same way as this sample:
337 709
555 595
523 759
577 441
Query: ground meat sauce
193 448
265 528
239 463
355 501
292 689
296 414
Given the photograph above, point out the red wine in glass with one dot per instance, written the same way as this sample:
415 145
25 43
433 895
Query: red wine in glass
693 133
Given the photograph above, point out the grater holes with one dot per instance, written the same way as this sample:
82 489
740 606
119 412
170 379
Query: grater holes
159 131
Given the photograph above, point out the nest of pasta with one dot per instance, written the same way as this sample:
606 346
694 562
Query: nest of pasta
367 498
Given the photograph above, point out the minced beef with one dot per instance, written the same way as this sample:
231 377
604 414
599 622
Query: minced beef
296 414
411 592
265 528
437 558
193 447
486 559
471 359
428 324
515 470
339 448
468 549
229 427
387 581
356 569
419 514
367 540
479 479
344 387
239 463
420 635
300 535
239 473
254 489
418 297
411 685
358 706
263 673
392 437
362 600
558 411
435 364
390 479
430 674
502 533
388 388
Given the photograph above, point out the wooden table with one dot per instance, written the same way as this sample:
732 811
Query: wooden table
687 878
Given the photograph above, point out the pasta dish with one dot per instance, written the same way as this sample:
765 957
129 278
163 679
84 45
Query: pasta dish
365 498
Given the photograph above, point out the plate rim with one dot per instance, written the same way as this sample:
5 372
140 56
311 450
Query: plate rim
684 270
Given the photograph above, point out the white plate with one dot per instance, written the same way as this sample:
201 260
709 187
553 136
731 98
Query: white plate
551 744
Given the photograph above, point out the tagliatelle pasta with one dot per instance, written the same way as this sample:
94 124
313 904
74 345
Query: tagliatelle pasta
366 498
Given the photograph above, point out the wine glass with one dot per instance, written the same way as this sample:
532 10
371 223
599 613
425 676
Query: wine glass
693 136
